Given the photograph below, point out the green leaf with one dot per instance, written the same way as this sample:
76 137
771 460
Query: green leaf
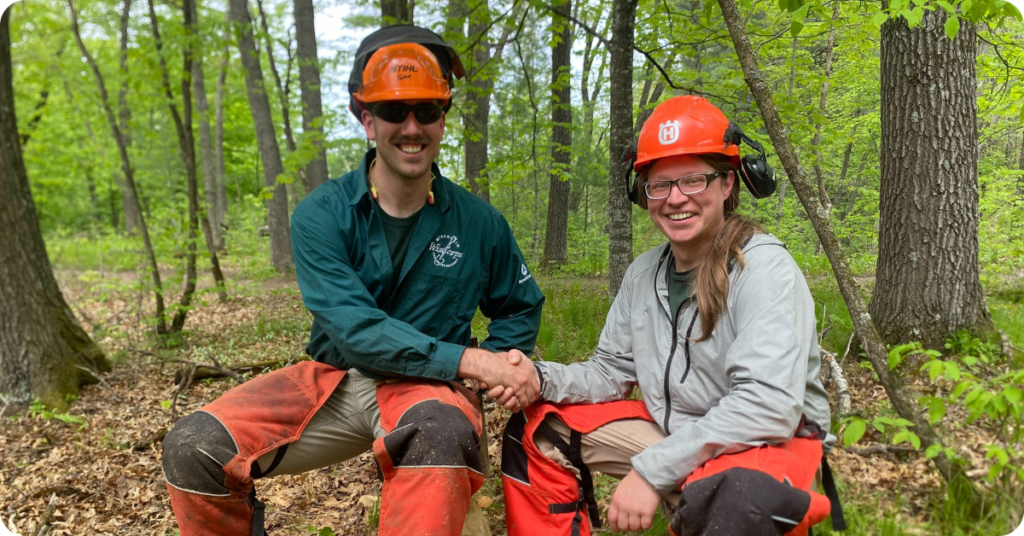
326 531
166 404
936 410
854 432
795 28
949 9
932 450
999 404
879 19
1022 113
1013 395
952 371
977 11
959 390
952 27
909 437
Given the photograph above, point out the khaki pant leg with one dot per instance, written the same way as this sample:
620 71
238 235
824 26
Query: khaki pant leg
343 428
607 449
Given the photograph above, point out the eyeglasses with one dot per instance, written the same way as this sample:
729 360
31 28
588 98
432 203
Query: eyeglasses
688 185
426 113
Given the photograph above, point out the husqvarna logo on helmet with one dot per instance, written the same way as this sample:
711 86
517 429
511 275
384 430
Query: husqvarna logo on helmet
445 250
668 132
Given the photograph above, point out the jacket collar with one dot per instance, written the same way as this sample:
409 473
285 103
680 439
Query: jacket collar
362 184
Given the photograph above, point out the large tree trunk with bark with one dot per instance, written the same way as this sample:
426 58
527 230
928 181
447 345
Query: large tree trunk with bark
620 210
126 166
42 345
396 12
316 172
205 135
557 233
266 138
927 281
876 350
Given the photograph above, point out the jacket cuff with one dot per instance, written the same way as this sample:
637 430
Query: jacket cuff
540 377
648 469
444 364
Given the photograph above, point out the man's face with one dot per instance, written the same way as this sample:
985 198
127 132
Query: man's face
688 220
408 148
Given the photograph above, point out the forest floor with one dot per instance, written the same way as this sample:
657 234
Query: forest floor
99 464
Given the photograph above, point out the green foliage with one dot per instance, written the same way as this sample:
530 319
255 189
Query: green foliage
974 385
323 531
39 410
574 314
896 428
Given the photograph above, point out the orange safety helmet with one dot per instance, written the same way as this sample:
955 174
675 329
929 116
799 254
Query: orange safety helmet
684 125
403 71
690 125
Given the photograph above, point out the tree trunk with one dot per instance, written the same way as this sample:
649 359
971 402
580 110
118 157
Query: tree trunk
129 198
480 86
41 342
283 90
556 236
316 172
270 153
209 166
205 135
188 157
872 343
396 12
927 282
620 210
819 173
218 140
783 183
1020 166
126 168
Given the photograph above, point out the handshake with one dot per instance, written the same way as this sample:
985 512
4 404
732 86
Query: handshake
510 378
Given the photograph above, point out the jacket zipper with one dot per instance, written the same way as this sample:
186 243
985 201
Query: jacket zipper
668 366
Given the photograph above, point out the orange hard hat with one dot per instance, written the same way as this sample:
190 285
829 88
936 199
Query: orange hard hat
684 125
403 71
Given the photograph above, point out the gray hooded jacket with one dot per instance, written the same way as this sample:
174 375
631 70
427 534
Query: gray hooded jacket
745 386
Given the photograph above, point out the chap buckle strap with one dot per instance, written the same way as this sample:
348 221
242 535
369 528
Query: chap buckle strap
572 452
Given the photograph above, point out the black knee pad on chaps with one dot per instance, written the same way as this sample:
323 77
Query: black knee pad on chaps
434 434
195 453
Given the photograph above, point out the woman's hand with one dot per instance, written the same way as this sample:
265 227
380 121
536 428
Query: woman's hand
633 504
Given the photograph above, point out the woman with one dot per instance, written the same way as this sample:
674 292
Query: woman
717 328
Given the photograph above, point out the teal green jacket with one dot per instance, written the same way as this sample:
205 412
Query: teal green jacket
462 256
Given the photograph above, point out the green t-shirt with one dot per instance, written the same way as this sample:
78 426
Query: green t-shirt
398 232
679 287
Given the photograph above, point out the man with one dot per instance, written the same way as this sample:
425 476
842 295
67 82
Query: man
392 260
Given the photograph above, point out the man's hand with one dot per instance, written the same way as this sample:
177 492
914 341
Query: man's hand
512 375
633 504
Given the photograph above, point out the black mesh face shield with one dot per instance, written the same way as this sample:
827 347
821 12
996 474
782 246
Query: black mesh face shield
446 56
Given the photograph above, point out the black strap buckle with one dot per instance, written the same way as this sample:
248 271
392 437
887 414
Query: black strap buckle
572 452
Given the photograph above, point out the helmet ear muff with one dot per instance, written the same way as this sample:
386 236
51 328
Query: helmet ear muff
754 169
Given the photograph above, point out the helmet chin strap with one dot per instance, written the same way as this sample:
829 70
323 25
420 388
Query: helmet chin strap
376 196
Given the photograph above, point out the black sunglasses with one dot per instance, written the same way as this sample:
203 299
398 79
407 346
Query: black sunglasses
426 113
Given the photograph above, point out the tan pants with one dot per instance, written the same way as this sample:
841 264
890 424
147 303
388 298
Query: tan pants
343 428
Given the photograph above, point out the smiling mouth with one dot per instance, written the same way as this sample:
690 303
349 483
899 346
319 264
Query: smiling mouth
411 149
681 216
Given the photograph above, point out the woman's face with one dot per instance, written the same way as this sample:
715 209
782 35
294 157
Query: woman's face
689 220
